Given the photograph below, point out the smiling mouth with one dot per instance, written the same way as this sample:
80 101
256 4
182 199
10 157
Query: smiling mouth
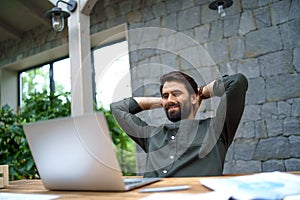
173 107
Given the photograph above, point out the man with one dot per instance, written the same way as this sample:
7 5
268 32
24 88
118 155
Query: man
186 146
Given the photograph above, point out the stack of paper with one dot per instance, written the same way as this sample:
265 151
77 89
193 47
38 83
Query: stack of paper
17 196
187 196
269 185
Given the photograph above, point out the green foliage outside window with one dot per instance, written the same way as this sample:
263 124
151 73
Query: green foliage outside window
35 81
124 146
45 105
14 149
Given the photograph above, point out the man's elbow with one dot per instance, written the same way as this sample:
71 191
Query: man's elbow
112 106
242 81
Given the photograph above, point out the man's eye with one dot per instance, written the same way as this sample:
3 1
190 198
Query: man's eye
165 96
176 94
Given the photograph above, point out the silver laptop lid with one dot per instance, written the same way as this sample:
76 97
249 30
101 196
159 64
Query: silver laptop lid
75 153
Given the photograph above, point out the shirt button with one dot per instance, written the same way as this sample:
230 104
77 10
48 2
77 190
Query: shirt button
172 157
165 171
172 137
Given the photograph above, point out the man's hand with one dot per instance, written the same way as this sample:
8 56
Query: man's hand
206 91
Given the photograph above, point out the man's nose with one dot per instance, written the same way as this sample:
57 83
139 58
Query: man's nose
171 98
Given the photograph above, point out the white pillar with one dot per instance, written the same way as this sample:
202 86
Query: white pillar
80 59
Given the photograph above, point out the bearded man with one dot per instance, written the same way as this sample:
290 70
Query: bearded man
185 146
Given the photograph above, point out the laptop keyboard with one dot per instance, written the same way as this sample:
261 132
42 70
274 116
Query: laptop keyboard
132 181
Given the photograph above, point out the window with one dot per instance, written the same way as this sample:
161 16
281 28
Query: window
62 76
53 76
112 74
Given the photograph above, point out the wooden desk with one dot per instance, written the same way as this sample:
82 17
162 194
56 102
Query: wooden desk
36 187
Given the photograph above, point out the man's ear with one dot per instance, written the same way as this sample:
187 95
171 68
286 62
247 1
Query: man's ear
195 99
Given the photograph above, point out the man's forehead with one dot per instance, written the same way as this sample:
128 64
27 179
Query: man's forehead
173 85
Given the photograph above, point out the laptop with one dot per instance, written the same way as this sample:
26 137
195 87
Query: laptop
77 153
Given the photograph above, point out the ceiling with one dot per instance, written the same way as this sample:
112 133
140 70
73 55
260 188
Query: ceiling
20 16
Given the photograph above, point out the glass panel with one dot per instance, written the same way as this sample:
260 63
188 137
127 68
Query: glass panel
112 75
62 76
34 80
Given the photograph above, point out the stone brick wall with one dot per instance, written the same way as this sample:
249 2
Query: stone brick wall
33 42
259 38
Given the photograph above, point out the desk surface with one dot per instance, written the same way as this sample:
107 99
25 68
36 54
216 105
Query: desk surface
36 187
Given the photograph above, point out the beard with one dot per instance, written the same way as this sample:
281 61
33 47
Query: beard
174 115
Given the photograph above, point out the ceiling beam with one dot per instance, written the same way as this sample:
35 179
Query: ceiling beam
87 6
11 30
35 11
53 2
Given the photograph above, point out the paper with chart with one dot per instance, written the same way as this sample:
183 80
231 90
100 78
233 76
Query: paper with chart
268 185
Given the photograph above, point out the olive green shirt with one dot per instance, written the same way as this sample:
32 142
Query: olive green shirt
187 148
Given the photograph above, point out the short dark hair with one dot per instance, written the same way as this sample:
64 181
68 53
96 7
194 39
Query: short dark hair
181 77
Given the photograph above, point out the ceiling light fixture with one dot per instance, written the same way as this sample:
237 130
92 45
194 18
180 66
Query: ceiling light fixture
58 16
220 5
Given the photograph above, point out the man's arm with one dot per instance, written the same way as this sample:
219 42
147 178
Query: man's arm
232 90
124 112
147 103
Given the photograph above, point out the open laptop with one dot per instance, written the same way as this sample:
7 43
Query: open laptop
77 153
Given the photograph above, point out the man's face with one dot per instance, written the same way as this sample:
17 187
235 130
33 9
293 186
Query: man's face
177 102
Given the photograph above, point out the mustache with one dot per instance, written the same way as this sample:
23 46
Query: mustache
168 105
